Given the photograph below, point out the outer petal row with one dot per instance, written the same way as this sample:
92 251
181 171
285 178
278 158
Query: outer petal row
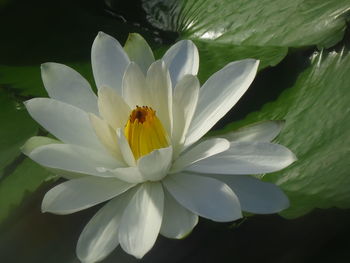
219 94
204 196
246 158
100 236
78 194
65 84
254 195
68 123
74 158
264 131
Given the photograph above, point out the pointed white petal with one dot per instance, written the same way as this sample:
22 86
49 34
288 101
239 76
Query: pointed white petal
78 194
204 196
135 91
219 94
246 158
107 136
177 220
125 148
254 195
139 51
35 142
73 158
142 219
181 59
264 131
155 165
184 104
199 152
159 86
112 107
68 123
109 62
65 84
100 236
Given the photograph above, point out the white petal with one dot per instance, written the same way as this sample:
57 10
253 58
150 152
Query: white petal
184 104
201 151
135 91
177 220
112 107
65 84
100 236
264 131
159 86
246 158
68 123
139 51
155 165
219 94
182 59
73 158
142 219
107 136
35 142
254 195
78 194
127 174
109 62
125 148
204 196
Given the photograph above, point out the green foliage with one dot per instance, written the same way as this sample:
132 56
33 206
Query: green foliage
26 178
253 23
16 128
316 110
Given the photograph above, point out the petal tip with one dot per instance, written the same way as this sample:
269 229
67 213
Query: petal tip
45 66
101 34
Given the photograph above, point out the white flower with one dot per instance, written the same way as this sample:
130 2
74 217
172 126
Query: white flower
136 145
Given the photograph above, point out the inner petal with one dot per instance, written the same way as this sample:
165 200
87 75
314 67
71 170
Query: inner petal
145 132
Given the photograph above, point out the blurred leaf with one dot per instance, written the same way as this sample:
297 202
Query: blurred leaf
26 178
16 128
214 56
317 114
253 23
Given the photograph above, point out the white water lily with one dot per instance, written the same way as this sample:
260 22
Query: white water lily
137 145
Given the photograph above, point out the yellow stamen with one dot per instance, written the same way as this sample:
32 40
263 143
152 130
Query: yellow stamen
145 132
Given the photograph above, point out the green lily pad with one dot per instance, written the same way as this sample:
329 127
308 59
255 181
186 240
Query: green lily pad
214 56
253 23
16 127
25 179
316 110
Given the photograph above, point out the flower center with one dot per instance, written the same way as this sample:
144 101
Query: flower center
145 132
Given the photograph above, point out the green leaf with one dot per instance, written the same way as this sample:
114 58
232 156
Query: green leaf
316 110
214 56
26 178
16 127
253 23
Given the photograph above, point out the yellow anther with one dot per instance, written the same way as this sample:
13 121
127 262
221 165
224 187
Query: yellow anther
145 132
